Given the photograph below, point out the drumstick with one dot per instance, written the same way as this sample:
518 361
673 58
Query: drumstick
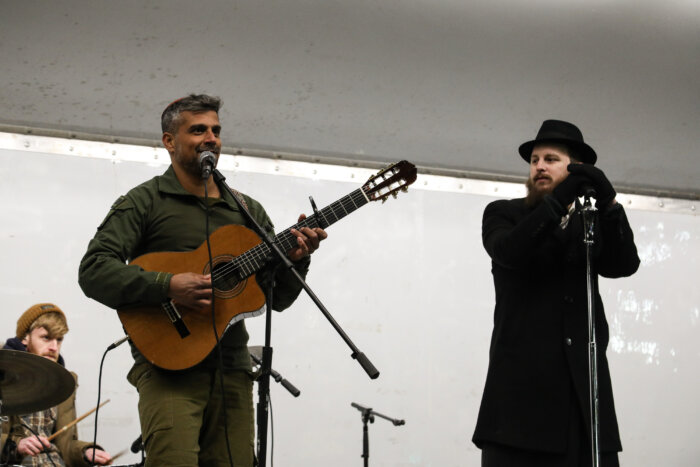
119 454
75 421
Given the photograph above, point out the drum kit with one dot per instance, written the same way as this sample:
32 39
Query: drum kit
28 384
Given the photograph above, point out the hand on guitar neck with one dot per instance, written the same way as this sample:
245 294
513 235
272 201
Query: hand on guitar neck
308 241
194 290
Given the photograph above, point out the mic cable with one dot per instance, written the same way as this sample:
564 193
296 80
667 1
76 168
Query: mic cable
112 346
220 360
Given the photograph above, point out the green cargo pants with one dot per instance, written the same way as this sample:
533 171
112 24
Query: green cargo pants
182 420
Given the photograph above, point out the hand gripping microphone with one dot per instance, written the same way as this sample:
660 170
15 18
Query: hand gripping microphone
588 191
207 162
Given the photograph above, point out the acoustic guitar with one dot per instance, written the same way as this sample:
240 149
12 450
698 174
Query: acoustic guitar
175 337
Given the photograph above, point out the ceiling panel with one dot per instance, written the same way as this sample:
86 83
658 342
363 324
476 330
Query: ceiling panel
449 85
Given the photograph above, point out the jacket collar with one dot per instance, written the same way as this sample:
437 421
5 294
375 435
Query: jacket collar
168 183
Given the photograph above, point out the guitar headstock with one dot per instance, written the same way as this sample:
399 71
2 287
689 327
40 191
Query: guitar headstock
390 180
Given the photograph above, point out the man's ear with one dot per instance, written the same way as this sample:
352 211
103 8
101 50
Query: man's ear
169 142
25 340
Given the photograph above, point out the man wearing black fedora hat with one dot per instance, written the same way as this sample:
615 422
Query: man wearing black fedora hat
535 406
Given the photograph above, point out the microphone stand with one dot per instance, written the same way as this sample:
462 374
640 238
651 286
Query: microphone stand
286 384
137 446
264 379
368 416
589 214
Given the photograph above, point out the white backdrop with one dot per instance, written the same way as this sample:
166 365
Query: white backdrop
411 285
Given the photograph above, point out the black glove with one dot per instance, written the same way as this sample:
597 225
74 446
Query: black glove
570 188
604 191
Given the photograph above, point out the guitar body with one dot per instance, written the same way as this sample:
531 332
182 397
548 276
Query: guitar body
150 328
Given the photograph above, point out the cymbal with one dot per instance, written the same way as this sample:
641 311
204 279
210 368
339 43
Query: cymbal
29 383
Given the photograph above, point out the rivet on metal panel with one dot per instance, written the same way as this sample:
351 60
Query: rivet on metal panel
114 152
661 204
70 149
27 144
461 185
277 168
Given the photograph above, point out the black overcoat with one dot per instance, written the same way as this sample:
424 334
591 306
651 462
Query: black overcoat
538 356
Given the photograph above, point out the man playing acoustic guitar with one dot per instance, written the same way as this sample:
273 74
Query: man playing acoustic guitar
181 412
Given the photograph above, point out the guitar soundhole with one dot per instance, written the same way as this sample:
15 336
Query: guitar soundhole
225 279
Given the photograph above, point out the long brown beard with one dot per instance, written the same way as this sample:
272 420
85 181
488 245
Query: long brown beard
535 195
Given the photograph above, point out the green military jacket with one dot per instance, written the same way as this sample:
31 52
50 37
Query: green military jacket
160 215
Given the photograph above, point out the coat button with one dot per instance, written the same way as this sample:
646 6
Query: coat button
568 341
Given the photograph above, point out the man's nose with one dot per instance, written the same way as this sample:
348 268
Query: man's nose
210 136
53 345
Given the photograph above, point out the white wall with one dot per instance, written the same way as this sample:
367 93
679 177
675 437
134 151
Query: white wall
411 285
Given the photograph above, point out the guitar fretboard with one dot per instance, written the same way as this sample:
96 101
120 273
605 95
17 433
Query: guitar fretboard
254 259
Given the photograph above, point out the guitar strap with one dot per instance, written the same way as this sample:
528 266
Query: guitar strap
239 197
240 201
242 205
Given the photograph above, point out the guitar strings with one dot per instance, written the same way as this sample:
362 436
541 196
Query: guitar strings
253 259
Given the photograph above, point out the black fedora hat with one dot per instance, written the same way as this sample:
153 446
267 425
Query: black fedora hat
558 131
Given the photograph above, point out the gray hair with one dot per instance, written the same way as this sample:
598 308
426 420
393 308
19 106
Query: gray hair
192 103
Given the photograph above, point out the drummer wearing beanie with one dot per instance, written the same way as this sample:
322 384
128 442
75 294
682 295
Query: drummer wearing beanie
40 331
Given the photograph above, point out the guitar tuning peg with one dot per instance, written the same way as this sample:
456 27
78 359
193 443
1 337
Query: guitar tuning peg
393 194
404 189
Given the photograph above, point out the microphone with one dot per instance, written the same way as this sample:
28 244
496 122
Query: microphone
137 445
588 191
207 162
116 344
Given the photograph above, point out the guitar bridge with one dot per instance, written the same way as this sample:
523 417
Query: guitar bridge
175 318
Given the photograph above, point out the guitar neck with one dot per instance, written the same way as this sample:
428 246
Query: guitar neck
255 258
